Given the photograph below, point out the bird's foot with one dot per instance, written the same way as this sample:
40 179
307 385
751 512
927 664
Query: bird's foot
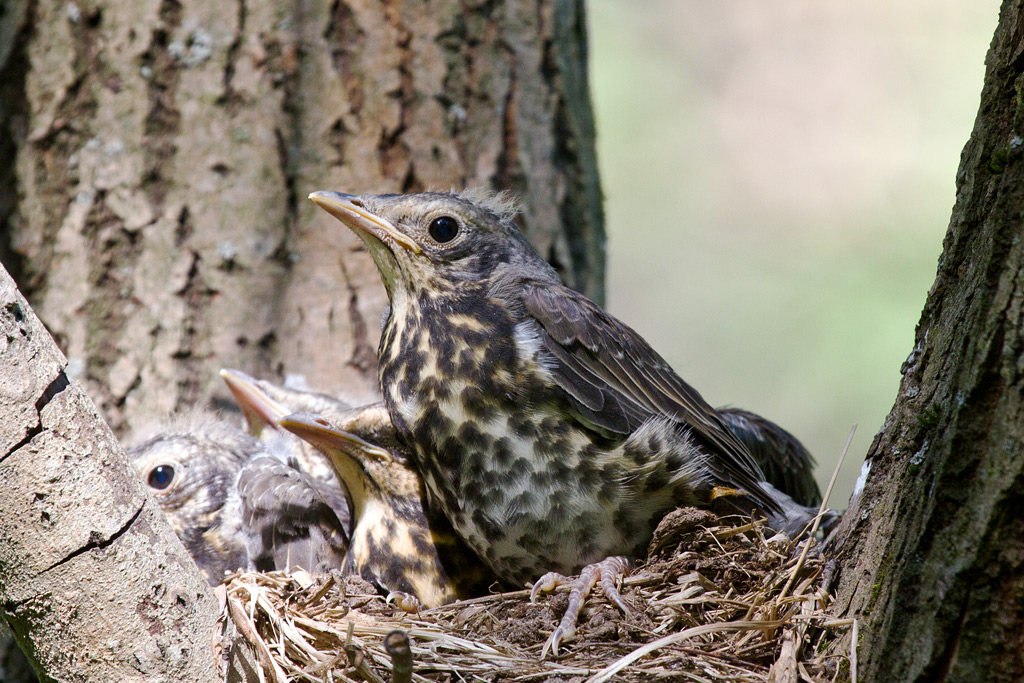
607 571
406 602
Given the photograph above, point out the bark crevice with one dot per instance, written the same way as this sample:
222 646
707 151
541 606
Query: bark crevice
59 384
97 541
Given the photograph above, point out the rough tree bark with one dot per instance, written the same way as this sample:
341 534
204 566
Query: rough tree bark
92 579
165 149
155 213
932 551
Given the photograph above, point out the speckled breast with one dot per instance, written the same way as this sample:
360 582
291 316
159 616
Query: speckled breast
523 484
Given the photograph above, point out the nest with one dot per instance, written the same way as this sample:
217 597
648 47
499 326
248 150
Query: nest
712 602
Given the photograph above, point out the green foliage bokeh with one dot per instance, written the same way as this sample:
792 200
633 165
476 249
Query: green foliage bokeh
779 177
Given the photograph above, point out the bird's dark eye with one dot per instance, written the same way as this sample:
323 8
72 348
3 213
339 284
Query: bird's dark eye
443 229
161 477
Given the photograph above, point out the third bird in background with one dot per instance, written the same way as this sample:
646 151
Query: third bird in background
236 505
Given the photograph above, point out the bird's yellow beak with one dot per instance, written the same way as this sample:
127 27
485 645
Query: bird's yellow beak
318 431
349 210
256 406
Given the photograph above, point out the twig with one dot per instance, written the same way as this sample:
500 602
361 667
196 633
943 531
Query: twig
357 659
853 652
817 519
606 673
320 592
398 646
244 627
784 668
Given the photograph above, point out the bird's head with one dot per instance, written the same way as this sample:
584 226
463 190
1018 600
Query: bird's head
190 468
368 460
436 241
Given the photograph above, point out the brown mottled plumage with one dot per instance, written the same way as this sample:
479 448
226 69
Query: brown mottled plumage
550 433
236 506
396 542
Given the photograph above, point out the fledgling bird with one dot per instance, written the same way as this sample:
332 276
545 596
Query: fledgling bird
783 459
550 433
235 505
397 542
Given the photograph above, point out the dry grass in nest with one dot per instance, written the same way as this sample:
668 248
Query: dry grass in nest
712 603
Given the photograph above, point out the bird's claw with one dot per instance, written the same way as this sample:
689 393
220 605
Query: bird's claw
378 453
404 601
607 571
557 636
546 584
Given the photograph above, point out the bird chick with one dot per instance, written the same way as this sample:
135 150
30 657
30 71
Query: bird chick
397 543
550 433
236 506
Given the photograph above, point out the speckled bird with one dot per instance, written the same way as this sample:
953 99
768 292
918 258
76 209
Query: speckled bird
235 505
397 543
550 433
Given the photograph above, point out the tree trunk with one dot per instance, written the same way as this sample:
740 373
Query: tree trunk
165 149
155 216
92 580
932 551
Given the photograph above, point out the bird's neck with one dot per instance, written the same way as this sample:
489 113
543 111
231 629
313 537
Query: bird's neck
438 344
354 479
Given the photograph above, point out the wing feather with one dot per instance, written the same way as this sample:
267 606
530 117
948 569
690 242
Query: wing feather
289 519
615 381
786 463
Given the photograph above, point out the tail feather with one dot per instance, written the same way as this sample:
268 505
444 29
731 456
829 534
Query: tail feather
796 520
784 515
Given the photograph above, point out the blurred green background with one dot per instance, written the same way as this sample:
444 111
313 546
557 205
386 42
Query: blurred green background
779 177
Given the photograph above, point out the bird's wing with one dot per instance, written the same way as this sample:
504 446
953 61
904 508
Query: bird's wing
616 381
785 462
288 518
